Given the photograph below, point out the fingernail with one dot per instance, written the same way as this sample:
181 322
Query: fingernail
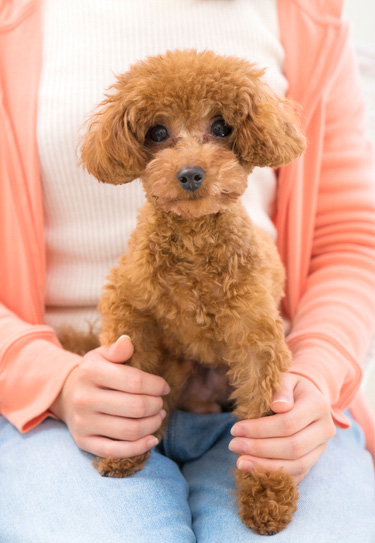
121 338
245 465
280 399
237 446
236 430
112 348
163 413
152 442
166 389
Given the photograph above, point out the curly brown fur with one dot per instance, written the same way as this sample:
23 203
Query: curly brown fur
199 284
76 342
266 501
118 467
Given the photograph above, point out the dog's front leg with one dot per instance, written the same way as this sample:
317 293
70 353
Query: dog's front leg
120 317
266 501
149 356
175 375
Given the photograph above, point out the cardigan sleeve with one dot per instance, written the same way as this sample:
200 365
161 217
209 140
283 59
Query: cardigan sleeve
334 317
33 369
33 365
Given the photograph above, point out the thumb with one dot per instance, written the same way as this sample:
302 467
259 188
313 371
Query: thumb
283 398
120 351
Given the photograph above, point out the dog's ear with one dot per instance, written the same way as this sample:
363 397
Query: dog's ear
110 150
269 133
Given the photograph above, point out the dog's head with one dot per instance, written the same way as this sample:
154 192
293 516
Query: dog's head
192 126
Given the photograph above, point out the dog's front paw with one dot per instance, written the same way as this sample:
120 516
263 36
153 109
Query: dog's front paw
266 501
120 467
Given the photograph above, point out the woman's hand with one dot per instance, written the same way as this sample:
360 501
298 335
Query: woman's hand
111 409
294 438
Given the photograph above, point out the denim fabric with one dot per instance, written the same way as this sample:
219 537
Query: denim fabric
50 493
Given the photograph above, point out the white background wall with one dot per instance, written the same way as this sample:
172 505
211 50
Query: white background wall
361 14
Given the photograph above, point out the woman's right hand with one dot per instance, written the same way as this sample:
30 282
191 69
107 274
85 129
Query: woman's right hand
111 409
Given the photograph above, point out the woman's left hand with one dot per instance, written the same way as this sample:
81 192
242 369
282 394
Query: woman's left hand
294 438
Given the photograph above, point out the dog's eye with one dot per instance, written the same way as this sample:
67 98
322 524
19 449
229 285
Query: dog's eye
158 133
220 129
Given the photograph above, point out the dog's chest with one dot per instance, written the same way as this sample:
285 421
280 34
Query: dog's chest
197 279
191 278
193 287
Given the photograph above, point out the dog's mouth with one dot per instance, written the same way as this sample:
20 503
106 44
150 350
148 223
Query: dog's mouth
195 197
194 206
189 198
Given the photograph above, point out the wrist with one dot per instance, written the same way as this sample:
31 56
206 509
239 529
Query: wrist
57 408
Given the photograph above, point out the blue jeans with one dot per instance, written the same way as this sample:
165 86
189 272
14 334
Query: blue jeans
50 493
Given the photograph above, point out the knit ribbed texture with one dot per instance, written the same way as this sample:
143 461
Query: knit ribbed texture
87 42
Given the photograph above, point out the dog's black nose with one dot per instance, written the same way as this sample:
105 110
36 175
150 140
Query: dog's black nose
190 178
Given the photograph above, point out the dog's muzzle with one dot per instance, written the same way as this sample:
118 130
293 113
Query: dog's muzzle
191 178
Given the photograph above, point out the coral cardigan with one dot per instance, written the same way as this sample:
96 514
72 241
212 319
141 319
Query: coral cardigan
325 218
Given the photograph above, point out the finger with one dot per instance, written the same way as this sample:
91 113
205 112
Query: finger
299 478
121 428
294 468
120 351
283 399
122 404
132 380
279 425
287 448
103 447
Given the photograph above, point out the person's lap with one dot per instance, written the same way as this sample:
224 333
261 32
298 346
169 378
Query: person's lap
336 504
51 493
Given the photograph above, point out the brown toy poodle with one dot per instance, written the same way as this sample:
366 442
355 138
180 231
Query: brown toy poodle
199 282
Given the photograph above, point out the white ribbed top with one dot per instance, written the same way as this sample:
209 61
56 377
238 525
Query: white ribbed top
87 42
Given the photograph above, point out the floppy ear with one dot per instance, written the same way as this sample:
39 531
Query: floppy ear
110 150
269 134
